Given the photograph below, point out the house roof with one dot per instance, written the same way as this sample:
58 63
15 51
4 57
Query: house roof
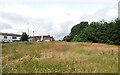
35 36
9 34
41 36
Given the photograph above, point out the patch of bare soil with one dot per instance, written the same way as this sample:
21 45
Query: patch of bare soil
44 56
21 59
6 57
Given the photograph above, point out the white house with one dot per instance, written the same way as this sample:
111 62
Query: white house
9 37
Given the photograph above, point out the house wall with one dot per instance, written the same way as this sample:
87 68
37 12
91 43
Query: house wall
9 38
46 38
41 38
35 39
52 39
6 40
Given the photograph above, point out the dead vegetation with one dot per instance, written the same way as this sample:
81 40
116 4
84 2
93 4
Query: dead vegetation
65 57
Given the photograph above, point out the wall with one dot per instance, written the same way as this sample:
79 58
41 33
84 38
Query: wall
9 38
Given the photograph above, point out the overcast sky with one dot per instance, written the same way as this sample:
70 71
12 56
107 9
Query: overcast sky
53 17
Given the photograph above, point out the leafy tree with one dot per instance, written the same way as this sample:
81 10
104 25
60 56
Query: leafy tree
67 38
24 37
76 30
98 32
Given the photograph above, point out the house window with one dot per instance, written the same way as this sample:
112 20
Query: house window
5 37
14 37
45 38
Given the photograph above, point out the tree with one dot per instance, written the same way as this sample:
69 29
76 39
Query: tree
67 38
24 37
97 32
76 30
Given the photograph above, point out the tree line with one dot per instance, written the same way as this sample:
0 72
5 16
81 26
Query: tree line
96 32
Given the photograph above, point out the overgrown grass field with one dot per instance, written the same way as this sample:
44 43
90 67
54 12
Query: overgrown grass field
59 57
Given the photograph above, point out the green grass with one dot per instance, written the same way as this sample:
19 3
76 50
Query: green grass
59 57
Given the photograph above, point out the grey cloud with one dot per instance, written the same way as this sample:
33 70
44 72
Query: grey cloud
68 14
13 17
4 26
43 24
58 31
20 23
65 29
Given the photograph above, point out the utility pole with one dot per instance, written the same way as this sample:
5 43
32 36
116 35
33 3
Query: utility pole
33 33
28 29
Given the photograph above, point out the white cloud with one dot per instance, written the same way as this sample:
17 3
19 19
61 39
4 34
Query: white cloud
4 26
55 20
54 1
108 14
112 14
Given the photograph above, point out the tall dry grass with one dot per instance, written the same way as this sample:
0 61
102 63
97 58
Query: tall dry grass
59 57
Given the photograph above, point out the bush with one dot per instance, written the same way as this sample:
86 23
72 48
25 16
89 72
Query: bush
24 37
